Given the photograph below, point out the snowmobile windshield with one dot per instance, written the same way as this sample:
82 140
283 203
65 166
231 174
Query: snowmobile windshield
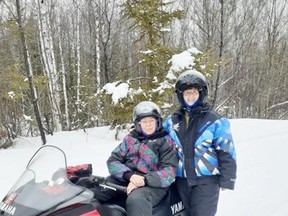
43 187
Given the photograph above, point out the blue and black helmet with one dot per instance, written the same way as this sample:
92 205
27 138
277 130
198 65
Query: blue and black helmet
191 79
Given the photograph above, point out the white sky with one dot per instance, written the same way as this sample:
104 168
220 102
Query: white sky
261 186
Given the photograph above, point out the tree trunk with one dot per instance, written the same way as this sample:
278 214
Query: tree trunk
64 85
78 58
47 52
215 93
29 73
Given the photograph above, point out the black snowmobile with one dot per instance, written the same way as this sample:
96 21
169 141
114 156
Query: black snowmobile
45 188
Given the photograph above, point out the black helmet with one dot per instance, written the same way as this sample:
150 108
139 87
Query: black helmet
190 79
146 109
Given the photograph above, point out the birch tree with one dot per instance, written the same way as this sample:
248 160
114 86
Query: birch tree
47 52
64 74
94 10
78 62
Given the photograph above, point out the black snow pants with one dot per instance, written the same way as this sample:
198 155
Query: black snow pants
140 201
199 200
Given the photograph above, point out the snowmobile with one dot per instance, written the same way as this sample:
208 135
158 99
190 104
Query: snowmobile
45 189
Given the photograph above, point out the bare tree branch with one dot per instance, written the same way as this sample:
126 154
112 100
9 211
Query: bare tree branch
277 105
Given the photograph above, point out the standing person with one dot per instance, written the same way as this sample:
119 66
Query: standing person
145 162
207 159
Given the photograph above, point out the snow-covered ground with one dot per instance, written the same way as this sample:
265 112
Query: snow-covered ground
261 145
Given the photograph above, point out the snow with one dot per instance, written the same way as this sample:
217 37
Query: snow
11 94
182 61
261 156
118 91
179 62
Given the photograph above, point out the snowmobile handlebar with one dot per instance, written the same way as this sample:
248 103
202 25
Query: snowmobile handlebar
104 183
114 187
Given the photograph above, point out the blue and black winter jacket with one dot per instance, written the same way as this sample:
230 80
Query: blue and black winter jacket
205 147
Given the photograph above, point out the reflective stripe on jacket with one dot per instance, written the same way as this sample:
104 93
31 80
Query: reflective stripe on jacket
205 147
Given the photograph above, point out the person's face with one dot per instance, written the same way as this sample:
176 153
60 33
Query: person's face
148 125
191 95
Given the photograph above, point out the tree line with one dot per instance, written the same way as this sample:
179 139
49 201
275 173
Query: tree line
55 57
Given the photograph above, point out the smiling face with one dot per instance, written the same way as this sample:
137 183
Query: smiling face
191 96
148 125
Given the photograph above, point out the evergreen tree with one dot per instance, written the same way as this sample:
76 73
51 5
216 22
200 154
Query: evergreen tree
150 19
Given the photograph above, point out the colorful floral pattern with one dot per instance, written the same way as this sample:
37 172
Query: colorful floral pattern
156 159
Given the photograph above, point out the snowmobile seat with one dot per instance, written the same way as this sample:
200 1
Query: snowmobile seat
108 209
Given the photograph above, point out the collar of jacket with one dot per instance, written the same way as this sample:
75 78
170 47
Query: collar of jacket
156 135
194 111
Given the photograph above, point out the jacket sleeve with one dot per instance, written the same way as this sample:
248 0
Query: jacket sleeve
225 149
116 161
165 175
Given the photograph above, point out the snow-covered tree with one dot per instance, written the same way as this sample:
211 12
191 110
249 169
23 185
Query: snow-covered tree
120 97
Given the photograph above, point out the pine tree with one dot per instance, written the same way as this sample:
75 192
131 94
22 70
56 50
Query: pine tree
151 19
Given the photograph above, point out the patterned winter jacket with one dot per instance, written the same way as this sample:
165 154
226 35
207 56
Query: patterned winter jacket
155 158
205 147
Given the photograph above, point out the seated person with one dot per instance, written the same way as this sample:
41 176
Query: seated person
145 162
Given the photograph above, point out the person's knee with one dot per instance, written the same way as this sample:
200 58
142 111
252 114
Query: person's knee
135 199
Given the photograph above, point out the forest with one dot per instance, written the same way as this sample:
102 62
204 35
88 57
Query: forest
57 55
